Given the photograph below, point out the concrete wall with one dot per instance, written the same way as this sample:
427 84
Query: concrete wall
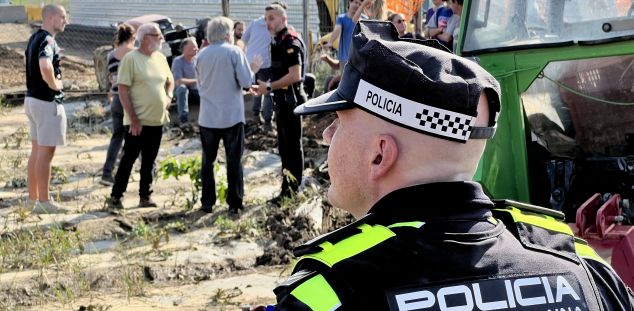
12 14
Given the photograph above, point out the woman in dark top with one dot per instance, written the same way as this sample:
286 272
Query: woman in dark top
123 43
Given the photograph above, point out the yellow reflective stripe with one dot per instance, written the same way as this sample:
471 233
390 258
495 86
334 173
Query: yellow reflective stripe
317 294
369 237
586 251
415 224
544 221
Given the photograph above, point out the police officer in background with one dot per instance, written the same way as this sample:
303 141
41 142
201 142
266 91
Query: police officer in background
285 86
412 124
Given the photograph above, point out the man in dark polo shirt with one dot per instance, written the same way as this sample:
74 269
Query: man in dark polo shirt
43 106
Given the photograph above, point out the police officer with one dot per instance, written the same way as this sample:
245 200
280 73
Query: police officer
412 124
285 86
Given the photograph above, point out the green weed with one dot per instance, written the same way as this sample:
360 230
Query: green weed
191 167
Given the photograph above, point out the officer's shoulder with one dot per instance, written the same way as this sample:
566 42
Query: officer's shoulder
291 37
510 205
346 242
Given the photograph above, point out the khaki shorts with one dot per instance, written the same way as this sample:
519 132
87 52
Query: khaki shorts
47 121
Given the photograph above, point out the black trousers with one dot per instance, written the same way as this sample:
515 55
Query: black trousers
289 140
147 144
233 140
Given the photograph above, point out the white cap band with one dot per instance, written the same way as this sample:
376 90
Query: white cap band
414 115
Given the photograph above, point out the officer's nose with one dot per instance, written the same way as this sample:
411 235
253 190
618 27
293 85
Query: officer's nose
330 131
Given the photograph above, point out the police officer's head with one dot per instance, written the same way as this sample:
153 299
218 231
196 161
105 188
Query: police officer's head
408 113
275 16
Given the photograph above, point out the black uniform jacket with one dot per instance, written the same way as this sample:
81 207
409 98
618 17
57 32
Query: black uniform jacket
287 51
443 246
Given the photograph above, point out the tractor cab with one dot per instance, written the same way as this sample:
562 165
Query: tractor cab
566 131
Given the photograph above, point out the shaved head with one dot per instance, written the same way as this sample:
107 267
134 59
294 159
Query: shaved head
50 10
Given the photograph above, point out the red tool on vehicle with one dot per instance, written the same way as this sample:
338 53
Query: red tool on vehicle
602 226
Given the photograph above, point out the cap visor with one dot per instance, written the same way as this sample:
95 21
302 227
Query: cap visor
330 101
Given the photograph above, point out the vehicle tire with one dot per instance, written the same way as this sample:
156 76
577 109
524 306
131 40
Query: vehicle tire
100 58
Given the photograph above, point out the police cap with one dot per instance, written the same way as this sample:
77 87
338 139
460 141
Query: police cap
416 84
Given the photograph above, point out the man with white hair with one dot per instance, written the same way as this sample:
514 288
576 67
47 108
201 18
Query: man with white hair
43 106
146 88
223 72
412 123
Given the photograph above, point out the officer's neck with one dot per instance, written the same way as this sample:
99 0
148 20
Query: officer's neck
282 31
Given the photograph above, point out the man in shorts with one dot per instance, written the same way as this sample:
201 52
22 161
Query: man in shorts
43 106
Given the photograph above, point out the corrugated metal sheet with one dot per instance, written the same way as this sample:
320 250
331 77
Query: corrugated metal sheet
106 13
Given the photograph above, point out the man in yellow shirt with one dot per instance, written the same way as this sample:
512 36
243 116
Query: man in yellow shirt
146 88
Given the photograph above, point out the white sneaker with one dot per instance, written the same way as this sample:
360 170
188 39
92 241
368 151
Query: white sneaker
48 207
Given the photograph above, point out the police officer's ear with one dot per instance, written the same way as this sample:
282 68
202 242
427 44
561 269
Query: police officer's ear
384 152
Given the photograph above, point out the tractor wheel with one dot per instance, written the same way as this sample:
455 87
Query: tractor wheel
100 58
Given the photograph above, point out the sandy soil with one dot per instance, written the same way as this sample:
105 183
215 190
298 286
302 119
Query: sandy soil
211 262
165 258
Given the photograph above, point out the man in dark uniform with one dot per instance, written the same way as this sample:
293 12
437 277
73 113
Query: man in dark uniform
43 106
412 124
287 62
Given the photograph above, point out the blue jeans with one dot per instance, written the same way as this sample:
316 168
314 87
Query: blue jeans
233 140
264 103
118 133
182 99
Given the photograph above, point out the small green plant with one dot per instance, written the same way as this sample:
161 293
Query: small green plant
132 279
150 234
58 175
224 296
221 183
172 167
244 227
18 137
5 108
177 226
16 178
37 248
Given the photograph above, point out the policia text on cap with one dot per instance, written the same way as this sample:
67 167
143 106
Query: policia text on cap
427 238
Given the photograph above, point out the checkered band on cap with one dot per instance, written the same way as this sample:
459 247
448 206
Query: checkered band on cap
414 115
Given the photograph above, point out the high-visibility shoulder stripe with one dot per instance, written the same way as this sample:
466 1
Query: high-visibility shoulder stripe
414 224
317 294
543 221
353 245
585 251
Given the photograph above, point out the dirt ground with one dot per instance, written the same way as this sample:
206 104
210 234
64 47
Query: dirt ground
165 258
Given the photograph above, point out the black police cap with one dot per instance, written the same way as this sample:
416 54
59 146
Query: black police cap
416 84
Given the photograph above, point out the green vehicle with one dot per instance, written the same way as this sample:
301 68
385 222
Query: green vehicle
566 132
